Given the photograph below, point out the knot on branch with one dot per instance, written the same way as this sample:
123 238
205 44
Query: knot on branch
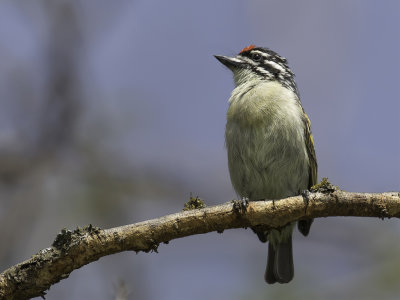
63 239
66 238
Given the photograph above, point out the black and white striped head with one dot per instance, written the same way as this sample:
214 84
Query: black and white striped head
257 63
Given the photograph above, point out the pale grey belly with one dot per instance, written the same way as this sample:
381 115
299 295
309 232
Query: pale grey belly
264 164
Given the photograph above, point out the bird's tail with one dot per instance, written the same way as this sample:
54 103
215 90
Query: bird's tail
280 257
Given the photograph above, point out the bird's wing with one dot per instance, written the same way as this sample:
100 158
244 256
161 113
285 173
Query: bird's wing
313 174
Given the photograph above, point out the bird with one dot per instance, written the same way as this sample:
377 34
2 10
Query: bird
269 145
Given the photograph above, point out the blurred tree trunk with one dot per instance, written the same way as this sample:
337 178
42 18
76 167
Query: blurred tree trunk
22 164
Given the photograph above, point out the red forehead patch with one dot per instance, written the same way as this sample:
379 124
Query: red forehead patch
248 48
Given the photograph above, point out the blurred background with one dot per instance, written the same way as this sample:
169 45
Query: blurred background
113 113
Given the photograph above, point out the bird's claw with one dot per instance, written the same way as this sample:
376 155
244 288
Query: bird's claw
241 205
306 198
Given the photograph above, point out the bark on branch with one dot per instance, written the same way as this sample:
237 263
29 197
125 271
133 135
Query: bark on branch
74 249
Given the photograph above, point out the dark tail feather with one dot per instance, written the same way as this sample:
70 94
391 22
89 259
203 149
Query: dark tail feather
280 263
269 272
304 226
284 269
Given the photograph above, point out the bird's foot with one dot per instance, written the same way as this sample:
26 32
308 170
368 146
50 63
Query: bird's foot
306 198
241 205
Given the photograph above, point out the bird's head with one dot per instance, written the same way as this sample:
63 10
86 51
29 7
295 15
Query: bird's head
258 63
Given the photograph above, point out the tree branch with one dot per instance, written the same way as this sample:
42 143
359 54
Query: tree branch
72 250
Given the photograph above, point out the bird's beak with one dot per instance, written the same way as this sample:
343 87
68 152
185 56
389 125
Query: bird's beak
230 62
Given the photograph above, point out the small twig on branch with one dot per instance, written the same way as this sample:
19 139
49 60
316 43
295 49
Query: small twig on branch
72 250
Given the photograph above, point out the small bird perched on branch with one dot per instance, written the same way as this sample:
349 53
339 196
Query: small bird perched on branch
269 143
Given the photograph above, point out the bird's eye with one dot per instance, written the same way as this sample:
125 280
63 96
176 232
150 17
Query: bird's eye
256 56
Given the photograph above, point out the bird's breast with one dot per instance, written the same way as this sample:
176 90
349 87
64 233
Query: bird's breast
262 102
264 137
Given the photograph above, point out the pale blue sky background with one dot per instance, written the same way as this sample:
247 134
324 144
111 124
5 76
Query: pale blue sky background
154 111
